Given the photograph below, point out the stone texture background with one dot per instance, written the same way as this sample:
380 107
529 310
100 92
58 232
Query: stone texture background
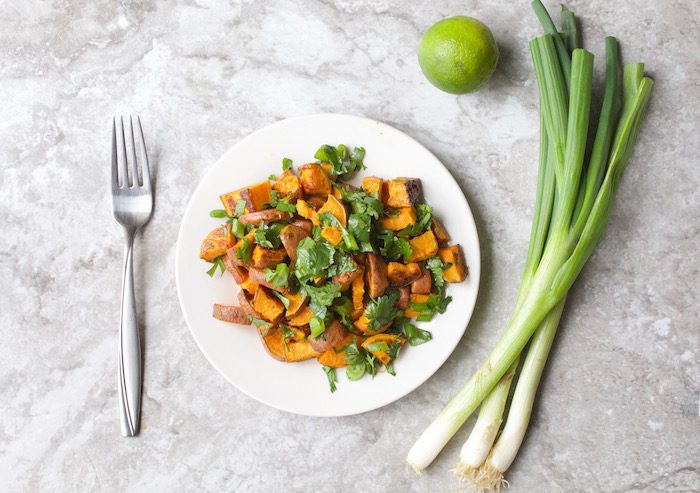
619 402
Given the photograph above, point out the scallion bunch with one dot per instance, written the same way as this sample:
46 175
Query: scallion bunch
580 167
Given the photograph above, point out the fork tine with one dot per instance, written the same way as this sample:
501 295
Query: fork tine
145 170
115 174
132 156
123 163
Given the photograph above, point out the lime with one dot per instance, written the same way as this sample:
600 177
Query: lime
458 54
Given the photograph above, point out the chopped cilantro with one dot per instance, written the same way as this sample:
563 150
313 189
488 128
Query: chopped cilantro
286 164
393 352
282 298
363 203
395 248
244 252
328 219
424 217
436 303
272 177
414 335
220 213
381 311
341 263
237 227
437 267
332 378
313 258
268 236
344 163
360 226
282 205
279 277
321 297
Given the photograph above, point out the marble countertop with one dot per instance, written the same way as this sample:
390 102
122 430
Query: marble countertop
618 408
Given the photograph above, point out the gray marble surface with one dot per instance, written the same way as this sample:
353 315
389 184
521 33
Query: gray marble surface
619 402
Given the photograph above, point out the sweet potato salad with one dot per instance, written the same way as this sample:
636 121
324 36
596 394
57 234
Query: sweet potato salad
331 271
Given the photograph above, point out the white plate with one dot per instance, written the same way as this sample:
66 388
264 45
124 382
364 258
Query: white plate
236 351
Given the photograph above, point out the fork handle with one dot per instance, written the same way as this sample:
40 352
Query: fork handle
130 367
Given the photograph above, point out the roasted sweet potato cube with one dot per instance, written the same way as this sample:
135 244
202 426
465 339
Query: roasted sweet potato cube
249 286
375 186
302 317
335 207
458 271
233 314
246 302
379 345
358 296
304 224
423 247
376 272
290 236
333 335
216 243
297 301
288 185
404 297
332 235
273 341
403 274
441 234
418 299
398 219
327 169
424 284
403 192
255 196
314 180
299 351
267 304
258 276
230 200
362 324
305 210
267 258
335 356
346 278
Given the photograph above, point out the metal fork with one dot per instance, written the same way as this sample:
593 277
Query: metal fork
132 201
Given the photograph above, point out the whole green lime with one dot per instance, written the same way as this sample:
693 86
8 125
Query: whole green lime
458 54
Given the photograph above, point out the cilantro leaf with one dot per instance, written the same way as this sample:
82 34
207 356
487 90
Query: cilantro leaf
268 236
394 248
321 297
279 277
381 311
341 263
244 252
436 303
363 203
285 301
344 308
218 264
286 164
393 352
424 217
332 378
313 258
359 361
437 267
344 163
360 226
272 177
414 335
377 346
328 219
317 326
283 205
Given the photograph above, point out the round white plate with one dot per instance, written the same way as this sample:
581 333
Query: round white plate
236 351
